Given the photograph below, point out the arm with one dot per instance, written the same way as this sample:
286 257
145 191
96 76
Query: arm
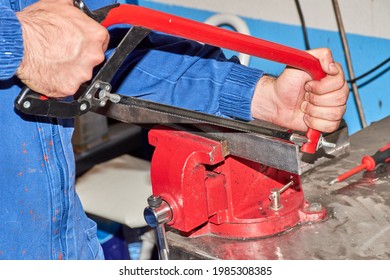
187 74
49 38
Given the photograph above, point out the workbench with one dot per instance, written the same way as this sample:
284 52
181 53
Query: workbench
358 215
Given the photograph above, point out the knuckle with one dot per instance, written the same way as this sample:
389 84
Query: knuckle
85 76
336 114
333 116
101 34
342 110
97 58
72 88
326 51
341 99
340 82
100 57
345 89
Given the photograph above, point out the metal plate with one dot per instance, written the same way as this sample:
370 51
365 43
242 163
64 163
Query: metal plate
272 147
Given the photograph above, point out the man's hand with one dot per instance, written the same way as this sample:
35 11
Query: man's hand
62 45
294 100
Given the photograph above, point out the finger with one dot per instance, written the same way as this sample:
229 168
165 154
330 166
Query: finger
321 124
326 60
335 98
334 113
329 83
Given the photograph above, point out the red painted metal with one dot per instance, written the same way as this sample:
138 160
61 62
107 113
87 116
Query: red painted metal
193 30
211 193
311 146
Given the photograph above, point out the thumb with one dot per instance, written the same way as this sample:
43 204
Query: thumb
325 57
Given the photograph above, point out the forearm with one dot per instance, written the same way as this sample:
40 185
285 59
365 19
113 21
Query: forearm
11 43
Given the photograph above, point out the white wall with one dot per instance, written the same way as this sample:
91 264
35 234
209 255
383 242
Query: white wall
363 17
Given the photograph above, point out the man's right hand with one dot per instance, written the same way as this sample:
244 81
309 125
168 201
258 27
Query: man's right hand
62 45
296 101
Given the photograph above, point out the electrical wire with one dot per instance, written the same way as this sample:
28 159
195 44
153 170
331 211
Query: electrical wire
303 24
370 71
307 46
348 60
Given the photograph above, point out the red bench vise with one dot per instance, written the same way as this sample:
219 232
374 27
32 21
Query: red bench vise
202 189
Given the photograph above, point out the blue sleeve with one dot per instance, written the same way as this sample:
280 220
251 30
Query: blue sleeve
190 75
11 43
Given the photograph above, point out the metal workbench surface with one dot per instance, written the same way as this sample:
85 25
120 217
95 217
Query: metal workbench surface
358 223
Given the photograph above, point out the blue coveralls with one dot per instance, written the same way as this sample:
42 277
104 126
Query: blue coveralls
41 216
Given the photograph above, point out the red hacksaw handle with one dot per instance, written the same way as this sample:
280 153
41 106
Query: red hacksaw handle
216 36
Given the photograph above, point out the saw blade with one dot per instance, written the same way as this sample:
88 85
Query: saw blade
265 143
